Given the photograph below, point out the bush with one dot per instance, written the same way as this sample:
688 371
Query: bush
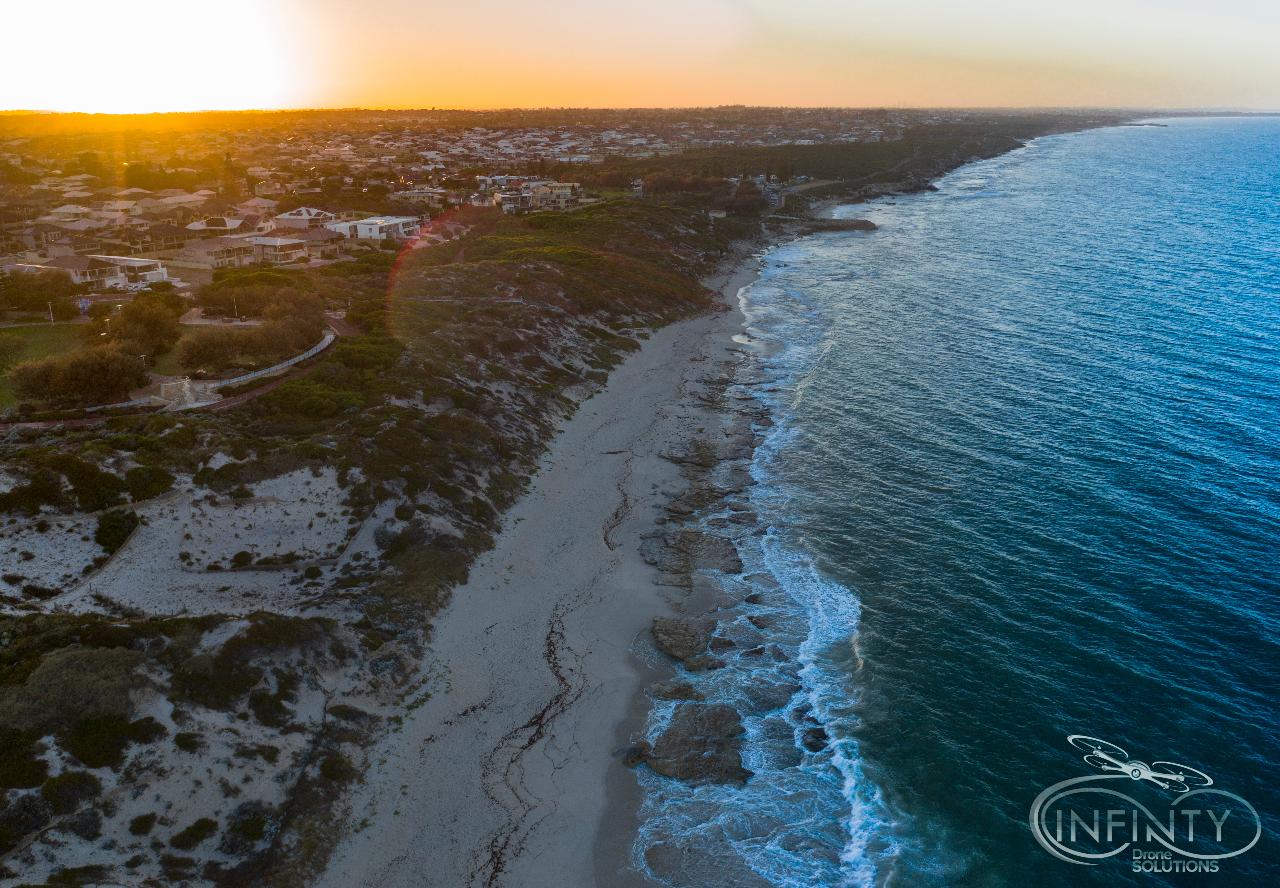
145 482
241 559
194 834
19 766
94 489
98 375
142 824
114 528
68 685
65 792
337 768
147 730
187 741
98 741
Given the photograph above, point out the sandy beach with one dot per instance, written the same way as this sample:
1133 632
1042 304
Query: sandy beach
507 770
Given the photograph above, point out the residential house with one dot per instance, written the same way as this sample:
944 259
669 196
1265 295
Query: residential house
217 252
434 197
137 270
304 217
378 228
258 206
218 226
321 243
555 195
87 270
278 250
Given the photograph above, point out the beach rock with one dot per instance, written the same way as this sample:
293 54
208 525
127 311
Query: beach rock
675 690
681 552
815 739
703 663
701 744
768 696
841 225
696 860
635 754
680 638
760 621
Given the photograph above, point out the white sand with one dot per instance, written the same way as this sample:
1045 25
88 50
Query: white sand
500 777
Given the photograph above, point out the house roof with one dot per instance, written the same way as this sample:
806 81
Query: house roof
306 213
266 241
317 234
76 263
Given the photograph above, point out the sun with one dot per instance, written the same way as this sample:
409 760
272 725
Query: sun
141 56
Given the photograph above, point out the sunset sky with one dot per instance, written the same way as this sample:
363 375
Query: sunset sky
174 55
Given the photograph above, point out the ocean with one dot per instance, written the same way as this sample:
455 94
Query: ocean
1021 481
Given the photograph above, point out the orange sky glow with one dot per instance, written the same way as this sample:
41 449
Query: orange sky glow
161 55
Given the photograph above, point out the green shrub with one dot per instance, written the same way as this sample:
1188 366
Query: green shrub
142 824
67 684
65 792
337 768
194 834
98 741
114 528
19 766
145 482
187 741
98 375
146 730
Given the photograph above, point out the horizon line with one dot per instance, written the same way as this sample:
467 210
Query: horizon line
1181 109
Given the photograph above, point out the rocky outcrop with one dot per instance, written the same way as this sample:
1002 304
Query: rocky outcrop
686 641
677 554
675 690
701 744
840 225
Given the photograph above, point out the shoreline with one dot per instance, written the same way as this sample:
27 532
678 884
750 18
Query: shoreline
520 776
510 774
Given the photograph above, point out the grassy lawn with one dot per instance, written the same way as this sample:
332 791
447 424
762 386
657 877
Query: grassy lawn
39 341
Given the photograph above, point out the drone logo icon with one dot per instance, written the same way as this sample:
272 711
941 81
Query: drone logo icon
1088 820
1167 775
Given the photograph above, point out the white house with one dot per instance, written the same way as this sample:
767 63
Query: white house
135 269
304 217
378 227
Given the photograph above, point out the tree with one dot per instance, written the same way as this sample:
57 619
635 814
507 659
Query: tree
96 375
32 291
10 348
147 326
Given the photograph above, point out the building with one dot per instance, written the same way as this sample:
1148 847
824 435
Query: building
137 270
215 226
88 270
321 243
304 217
536 195
434 197
555 195
257 206
217 252
278 250
378 228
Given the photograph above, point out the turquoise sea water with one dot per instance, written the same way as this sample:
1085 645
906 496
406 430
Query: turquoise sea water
1022 481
